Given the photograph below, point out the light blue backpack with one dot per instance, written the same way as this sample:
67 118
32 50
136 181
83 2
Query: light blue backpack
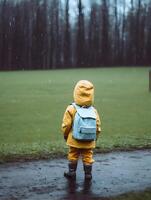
84 124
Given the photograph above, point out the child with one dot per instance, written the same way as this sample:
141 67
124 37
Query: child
83 100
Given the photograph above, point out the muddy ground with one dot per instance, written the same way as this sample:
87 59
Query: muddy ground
113 174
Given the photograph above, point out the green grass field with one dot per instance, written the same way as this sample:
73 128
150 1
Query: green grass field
32 104
142 195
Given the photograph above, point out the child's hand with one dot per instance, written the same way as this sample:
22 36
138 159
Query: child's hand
65 137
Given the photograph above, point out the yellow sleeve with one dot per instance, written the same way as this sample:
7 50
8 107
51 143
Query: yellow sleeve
67 120
98 123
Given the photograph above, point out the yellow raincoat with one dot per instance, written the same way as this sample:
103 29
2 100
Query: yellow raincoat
83 96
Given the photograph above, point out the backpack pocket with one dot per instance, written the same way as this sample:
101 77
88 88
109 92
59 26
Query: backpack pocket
88 130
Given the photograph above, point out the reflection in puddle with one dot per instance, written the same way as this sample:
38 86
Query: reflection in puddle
80 191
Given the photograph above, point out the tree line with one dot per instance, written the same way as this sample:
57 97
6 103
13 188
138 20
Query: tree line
42 34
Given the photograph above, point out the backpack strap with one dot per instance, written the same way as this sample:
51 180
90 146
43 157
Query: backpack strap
84 111
75 106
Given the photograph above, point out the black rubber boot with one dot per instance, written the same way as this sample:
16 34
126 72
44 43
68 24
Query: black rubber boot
71 174
88 172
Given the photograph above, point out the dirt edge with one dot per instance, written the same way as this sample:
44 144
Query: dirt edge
57 155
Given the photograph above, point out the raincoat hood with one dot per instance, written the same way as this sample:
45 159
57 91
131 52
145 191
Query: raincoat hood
84 93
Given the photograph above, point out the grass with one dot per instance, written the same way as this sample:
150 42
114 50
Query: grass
142 195
32 104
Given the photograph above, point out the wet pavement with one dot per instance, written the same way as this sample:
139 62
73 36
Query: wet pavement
113 174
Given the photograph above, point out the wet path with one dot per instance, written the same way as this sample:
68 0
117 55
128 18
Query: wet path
113 174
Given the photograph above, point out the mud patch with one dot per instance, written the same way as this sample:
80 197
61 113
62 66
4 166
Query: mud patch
113 174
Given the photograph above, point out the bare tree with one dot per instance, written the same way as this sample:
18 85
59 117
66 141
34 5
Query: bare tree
116 48
130 29
80 37
67 37
105 47
122 46
93 36
148 36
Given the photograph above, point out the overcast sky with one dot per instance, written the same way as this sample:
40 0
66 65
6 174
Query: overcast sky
87 3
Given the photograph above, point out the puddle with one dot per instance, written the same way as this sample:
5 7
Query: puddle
113 174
